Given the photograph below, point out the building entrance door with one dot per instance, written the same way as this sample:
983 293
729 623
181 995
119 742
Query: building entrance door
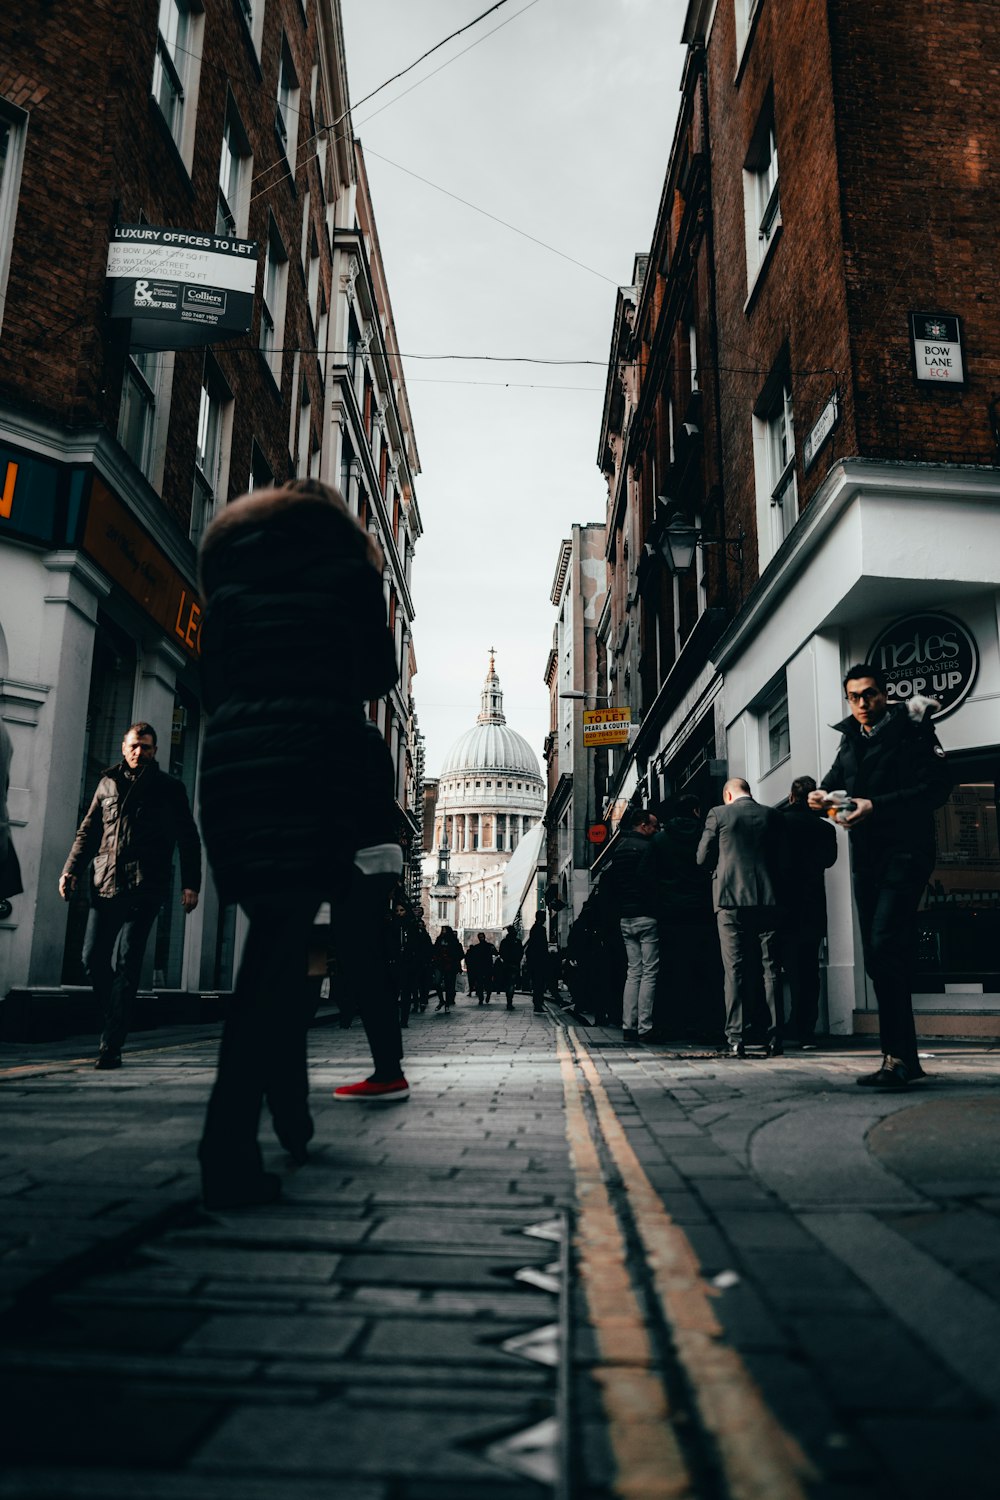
958 956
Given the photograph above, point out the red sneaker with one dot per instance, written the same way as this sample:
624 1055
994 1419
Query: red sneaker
370 1092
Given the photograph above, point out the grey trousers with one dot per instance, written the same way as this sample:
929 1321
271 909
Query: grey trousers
749 942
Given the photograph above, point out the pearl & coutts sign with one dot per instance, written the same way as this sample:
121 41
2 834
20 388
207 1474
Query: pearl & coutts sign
937 349
931 654
606 726
180 288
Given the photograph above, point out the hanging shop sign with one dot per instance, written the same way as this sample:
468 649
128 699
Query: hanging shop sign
937 349
119 545
928 653
606 726
180 288
821 430
597 833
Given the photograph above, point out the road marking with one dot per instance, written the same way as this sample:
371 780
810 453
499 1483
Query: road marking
648 1458
759 1460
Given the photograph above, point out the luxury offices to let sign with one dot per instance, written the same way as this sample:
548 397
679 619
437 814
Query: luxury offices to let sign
927 653
181 289
606 726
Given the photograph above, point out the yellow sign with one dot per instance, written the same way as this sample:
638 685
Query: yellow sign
606 726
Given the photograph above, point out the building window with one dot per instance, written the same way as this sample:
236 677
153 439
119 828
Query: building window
235 163
13 129
286 113
761 199
176 68
261 473
272 308
774 460
775 741
137 414
211 458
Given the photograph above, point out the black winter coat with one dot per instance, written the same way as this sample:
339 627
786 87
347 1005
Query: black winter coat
130 830
294 777
811 849
683 887
903 771
629 882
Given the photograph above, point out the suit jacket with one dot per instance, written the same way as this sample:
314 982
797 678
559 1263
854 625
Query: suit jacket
743 845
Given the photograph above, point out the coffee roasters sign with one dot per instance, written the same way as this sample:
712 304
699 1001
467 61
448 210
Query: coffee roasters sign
930 653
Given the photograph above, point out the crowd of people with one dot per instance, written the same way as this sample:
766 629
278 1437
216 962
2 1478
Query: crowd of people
689 934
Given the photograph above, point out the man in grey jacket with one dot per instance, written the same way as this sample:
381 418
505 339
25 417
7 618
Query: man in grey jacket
743 846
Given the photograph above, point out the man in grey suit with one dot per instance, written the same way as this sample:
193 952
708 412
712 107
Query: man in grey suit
742 844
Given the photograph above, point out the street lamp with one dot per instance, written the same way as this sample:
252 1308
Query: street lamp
679 540
578 694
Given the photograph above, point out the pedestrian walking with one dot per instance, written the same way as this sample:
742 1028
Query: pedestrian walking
448 958
590 960
297 805
536 958
509 956
689 993
743 845
10 870
137 815
480 957
631 887
811 850
424 954
404 957
893 768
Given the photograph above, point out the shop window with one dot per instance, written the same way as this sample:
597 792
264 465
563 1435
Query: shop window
261 473
235 168
13 130
211 458
958 951
775 740
761 198
176 69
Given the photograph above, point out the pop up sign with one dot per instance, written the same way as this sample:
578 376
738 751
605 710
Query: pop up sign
930 654
180 288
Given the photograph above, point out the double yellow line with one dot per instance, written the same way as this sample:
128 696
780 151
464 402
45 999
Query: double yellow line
756 1458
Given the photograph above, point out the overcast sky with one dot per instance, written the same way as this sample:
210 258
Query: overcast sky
559 123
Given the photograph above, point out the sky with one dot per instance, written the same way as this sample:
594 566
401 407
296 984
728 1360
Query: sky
559 123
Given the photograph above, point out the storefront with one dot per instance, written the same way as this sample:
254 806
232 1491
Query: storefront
99 624
893 565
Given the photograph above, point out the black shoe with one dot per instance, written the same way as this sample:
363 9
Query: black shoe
735 1049
892 1075
650 1038
296 1140
255 1192
106 1060
629 1034
510 1005
774 1048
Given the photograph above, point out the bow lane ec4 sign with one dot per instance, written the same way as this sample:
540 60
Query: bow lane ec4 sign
937 349
181 289
930 654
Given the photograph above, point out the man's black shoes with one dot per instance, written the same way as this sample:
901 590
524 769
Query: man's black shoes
891 1076
106 1060
735 1049
774 1048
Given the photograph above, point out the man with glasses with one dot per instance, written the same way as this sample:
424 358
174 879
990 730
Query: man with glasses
891 764
136 817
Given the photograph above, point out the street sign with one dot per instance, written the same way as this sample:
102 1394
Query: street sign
597 833
937 349
606 726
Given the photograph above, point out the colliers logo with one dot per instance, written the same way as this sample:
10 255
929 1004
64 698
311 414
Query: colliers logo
927 653
206 299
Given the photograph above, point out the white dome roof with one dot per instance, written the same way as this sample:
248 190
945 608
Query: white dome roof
490 745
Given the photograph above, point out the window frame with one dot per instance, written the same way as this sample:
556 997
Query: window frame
274 287
761 194
144 383
177 64
211 480
775 461
233 205
16 122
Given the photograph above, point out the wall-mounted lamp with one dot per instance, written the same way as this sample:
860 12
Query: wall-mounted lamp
679 540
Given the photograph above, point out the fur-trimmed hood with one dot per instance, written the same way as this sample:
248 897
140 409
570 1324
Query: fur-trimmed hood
313 511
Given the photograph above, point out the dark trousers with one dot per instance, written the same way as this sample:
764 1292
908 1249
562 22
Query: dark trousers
749 943
887 895
800 945
262 1054
127 919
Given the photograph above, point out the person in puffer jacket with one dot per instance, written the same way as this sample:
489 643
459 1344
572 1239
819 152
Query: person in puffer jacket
297 806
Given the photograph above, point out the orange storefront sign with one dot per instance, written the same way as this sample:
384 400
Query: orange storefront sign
119 545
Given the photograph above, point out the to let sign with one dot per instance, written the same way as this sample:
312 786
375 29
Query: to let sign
606 726
937 349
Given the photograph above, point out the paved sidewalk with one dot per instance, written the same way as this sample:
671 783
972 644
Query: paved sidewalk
440 1308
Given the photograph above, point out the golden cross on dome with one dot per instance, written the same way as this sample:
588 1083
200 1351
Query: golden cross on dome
493 651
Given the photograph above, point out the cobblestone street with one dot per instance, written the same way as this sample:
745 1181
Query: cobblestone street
564 1266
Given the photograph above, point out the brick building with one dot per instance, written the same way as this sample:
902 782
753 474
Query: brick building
857 440
225 120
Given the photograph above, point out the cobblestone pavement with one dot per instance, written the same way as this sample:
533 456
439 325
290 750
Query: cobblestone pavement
565 1267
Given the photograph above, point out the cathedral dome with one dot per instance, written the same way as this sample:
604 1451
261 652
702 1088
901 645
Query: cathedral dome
491 745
